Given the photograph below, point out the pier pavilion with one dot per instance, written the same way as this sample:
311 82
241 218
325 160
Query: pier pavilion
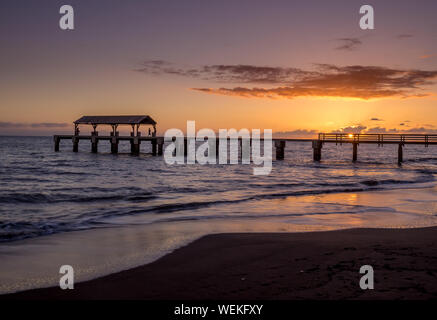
135 138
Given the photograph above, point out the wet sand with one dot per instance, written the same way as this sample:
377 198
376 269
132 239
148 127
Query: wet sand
276 266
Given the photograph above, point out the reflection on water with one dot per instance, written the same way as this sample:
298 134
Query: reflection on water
44 192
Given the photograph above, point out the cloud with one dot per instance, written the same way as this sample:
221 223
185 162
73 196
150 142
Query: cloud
33 125
295 133
404 36
325 80
349 44
419 130
376 119
427 56
351 129
378 129
227 73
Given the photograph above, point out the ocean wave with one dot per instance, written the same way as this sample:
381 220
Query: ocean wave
40 198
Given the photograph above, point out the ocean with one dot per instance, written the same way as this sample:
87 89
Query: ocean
144 208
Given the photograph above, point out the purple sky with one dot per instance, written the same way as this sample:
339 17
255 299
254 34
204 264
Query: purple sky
50 76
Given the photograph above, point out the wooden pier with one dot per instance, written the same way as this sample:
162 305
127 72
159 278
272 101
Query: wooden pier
136 138
379 139
114 138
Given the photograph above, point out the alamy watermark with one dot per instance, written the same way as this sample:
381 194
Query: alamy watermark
366 22
367 280
214 149
67 280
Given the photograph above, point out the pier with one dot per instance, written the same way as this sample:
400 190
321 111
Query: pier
114 138
136 138
379 139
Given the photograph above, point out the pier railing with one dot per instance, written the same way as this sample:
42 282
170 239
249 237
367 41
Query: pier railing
378 138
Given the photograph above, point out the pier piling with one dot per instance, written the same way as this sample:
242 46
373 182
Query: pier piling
94 141
114 142
317 150
135 146
160 142
154 145
217 146
280 147
75 144
57 140
355 152
400 154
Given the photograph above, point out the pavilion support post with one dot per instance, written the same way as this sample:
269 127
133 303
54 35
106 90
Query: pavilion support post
354 152
280 148
400 154
56 140
75 144
154 145
135 146
160 142
317 150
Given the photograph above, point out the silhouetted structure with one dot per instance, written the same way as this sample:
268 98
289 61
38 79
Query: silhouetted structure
379 139
158 142
114 121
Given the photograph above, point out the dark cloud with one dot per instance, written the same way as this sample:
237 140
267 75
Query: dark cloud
364 82
33 125
227 73
376 119
349 44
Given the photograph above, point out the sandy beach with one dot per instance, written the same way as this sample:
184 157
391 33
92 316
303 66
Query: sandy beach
276 266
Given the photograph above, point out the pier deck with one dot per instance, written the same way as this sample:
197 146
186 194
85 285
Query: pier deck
379 139
279 143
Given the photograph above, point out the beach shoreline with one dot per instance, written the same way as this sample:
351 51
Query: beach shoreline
274 266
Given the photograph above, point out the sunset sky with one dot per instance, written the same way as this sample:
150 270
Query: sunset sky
296 67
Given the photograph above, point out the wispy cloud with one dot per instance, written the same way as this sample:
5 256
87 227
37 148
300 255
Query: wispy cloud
227 73
404 36
379 129
349 44
351 129
295 133
33 125
420 130
428 56
325 80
